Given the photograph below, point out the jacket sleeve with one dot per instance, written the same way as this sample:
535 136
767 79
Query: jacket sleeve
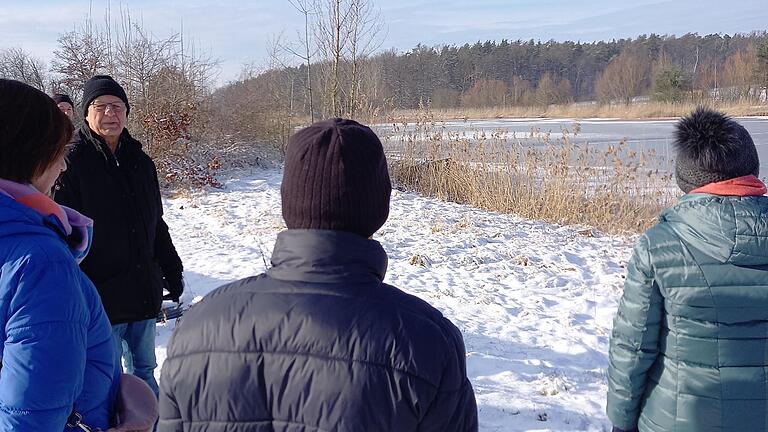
165 252
454 408
635 339
170 417
45 346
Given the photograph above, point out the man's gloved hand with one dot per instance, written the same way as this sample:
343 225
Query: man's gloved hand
615 429
175 287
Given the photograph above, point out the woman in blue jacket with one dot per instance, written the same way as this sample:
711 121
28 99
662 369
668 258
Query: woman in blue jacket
57 353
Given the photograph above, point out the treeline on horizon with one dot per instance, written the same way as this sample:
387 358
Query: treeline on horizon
336 69
306 82
524 73
560 72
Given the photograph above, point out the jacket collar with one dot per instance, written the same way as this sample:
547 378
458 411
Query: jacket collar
741 186
125 144
74 228
322 256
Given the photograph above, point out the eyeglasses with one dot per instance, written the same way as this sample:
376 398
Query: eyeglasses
116 108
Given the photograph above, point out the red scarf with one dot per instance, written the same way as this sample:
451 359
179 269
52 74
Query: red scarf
739 186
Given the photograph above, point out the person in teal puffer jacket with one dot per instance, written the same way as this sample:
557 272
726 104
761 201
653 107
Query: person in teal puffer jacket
689 348
57 349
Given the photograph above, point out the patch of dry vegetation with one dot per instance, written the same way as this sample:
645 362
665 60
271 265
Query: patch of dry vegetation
638 111
610 187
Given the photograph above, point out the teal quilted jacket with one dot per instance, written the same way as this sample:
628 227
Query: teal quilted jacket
689 348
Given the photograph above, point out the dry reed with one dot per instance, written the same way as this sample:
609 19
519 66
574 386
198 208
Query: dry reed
644 110
612 188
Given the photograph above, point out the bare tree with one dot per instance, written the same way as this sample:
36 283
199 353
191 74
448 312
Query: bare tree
305 8
485 93
332 35
520 91
546 90
17 64
81 55
365 30
164 78
346 33
139 58
281 82
625 77
738 73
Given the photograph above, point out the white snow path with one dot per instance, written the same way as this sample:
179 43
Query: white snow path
534 300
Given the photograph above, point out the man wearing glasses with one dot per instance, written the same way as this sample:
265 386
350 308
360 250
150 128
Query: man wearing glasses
110 179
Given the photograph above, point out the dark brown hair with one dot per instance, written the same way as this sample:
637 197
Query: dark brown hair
33 131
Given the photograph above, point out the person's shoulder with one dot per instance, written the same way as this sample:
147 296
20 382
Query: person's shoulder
137 153
223 296
418 309
51 278
45 251
133 145
81 149
23 234
435 340
216 309
409 303
658 236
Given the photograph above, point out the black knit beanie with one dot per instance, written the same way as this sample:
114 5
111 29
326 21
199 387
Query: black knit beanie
336 178
61 97
712 147
101 85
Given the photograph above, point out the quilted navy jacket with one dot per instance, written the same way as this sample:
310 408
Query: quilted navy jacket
689 350
318 343
58 352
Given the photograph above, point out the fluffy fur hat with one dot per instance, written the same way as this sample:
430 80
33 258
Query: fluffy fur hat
712 147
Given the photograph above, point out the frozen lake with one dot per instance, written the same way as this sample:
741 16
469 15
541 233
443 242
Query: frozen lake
640 134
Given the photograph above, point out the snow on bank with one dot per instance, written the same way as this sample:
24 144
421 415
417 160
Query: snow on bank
534 301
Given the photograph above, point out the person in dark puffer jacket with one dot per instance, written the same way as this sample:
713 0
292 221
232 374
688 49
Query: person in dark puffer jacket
319 342
688 351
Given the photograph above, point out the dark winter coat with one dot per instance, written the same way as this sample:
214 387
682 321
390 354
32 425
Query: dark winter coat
132 250
689 350
318 343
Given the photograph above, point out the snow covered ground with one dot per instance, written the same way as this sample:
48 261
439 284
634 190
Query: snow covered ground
534 301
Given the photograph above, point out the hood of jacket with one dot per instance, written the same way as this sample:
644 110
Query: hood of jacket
18 219
26 211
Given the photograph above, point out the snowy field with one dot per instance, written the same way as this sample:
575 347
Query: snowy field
534 301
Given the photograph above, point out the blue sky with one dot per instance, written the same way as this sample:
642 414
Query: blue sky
237 32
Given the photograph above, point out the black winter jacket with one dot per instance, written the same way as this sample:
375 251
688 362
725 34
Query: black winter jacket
132 250
318 343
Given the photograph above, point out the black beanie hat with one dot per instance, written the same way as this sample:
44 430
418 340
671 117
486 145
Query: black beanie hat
336 178
61 97
712 147
101 85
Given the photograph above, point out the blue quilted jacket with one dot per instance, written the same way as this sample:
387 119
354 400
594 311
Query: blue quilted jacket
57 352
